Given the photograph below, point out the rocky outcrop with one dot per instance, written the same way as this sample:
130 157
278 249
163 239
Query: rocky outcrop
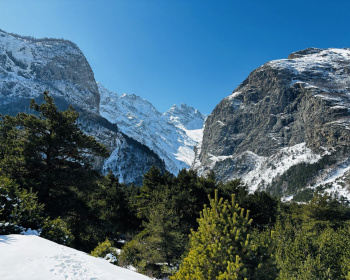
289 111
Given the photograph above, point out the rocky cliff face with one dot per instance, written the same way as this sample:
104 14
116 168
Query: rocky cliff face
29 66
286 114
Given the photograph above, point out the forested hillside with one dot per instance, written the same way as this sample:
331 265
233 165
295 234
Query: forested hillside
184 226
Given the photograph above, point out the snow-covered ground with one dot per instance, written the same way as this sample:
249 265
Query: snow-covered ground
30 257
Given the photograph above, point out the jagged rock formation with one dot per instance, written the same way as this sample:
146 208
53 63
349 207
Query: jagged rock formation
171 135
29 66
290 116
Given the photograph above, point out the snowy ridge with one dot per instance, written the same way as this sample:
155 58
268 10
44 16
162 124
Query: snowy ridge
172 135
320 69
31 257
259 171
336 179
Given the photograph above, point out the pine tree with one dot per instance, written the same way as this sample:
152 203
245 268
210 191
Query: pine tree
19 208
107 251
12 142
221 247
160 244
51 154
153 181
162 235
115 213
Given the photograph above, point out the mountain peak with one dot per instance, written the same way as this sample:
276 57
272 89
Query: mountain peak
305 52
171 135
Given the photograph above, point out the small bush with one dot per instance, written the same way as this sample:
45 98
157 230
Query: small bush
57 231
106 251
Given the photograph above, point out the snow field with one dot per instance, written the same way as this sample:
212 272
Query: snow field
24 257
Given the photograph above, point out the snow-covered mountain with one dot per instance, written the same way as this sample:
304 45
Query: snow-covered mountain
136 133
171 135
29 66
286 128
26 257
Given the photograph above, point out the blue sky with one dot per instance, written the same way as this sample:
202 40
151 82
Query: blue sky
181 51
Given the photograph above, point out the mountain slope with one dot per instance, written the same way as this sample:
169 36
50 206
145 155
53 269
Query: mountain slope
289 117
33 257
172 135
29 66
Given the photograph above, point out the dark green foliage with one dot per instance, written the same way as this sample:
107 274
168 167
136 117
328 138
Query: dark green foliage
185 195
131 253
263 209
19 208
162 236
168 207
57 231
304 195
112 204
263 265
161 242
262 206
49 154
324 211
12 142
153 181
57 152
235 187
312 240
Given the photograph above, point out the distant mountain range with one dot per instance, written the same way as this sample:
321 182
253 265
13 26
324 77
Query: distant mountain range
285 129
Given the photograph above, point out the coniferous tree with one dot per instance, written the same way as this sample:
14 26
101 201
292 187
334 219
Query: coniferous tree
153 181
51 154
19 208
48 153
160 244
115 213
221 247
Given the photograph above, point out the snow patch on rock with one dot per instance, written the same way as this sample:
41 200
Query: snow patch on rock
268 168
